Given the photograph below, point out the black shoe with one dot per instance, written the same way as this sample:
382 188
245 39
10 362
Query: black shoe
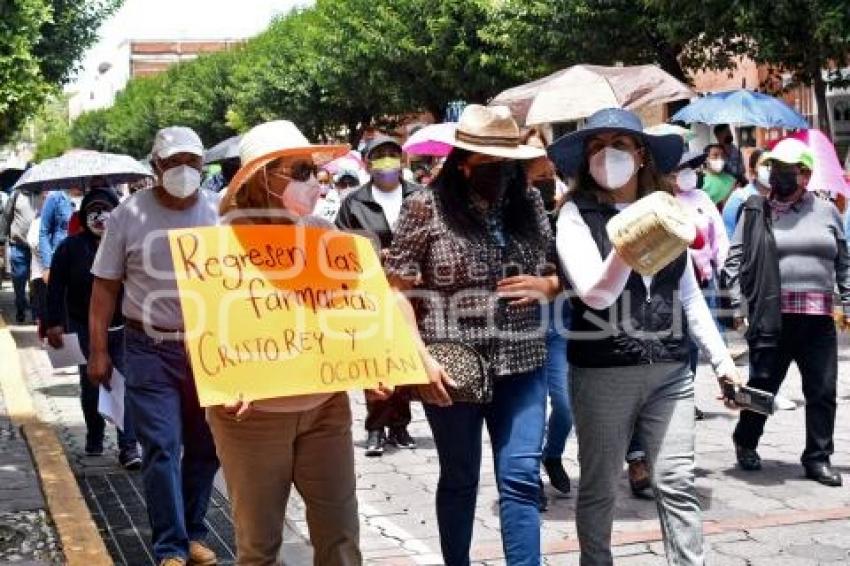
823 473
20 317
94 448
748 459
558 477
375 443
130 459
400 437
543 504
699 415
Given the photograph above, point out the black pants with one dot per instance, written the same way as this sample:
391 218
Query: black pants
811 342
393 412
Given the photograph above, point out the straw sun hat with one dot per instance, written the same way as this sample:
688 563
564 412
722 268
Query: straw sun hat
268 142
491 130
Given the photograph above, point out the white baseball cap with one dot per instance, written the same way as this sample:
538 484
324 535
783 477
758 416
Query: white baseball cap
177 139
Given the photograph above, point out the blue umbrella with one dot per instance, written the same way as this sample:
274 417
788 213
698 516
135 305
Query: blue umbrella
743 107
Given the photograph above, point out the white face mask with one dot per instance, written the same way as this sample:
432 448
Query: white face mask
686 180
181 181
716 165
763 175
612 168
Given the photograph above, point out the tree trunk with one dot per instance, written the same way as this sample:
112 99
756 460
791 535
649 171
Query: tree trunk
820 100
668 60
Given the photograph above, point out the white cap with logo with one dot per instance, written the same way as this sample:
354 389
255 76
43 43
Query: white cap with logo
176 139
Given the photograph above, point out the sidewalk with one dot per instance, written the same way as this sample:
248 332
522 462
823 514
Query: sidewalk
773 518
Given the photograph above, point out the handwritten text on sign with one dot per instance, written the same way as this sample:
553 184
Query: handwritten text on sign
273 311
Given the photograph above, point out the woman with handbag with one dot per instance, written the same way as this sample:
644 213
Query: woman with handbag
475 245
788 254
628 349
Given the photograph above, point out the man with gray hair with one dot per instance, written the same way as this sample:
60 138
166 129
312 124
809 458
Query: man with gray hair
179 458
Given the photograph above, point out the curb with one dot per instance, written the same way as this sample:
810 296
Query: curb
79 537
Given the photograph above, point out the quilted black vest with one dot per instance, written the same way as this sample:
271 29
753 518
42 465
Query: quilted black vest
639 328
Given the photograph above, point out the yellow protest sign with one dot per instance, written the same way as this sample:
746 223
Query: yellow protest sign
273 311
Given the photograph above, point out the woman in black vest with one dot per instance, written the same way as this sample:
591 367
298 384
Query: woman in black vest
628 348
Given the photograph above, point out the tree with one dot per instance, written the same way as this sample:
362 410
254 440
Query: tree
42 41
809 39
543 36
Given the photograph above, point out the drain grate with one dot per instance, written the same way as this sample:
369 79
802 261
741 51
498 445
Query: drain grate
117 504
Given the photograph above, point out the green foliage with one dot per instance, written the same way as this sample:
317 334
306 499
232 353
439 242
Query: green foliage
50 129
41 43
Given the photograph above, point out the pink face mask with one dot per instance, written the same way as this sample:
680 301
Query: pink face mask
300 197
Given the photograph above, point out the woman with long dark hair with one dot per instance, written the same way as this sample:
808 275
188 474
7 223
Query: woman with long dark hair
628 348
474 245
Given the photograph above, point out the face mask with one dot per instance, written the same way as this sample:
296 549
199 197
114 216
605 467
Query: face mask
181 181
547 192
386 164
612 168
716 165
490 180
686 180
783 183
763 175
96 221
300 197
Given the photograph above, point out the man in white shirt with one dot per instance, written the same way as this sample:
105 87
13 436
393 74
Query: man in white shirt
373 209
179 455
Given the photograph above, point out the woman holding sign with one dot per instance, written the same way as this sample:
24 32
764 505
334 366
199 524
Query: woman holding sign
476 243
268 446
628 350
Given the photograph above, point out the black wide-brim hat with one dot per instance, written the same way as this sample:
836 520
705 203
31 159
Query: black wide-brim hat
568 151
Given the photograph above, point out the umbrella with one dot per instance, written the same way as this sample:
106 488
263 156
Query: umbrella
741 107
433 139
77 168
579 91
827 173
222 151
348 162
667 129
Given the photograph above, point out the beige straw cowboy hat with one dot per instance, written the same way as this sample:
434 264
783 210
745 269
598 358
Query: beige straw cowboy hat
270 141
491 130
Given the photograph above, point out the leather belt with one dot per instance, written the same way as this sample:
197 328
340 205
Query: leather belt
156 332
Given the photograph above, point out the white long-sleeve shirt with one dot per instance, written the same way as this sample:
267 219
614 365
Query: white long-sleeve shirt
599 283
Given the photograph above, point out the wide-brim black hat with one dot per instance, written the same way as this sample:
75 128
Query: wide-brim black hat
568 151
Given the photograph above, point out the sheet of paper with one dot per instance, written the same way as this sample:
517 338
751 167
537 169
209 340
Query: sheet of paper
110 403
69 354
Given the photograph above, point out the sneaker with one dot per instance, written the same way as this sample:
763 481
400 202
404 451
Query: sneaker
375 443
639 479
94 448
130 459
558 477
698 414
201 555
172 562
748 459
400 437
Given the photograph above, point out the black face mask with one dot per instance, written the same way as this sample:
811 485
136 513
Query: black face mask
490 180
547 192
783 183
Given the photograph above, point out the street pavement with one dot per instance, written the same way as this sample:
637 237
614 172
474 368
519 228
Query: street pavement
775 517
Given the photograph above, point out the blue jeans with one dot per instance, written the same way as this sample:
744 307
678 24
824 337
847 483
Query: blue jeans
19 263
169 421
515 421
557 374
90 393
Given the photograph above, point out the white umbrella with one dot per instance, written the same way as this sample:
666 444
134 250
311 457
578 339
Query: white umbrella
78 168
577 92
